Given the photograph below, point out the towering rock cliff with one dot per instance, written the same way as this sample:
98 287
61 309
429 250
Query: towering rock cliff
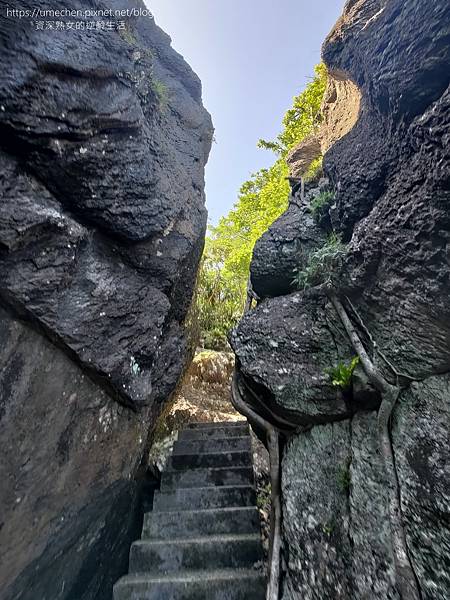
102 149
390 179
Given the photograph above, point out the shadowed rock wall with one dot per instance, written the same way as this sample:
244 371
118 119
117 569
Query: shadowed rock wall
391 182
103 143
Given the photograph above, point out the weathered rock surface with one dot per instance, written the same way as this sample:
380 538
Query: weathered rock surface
69 454
284 249
286 346
336 529
420 437
103 145
397 53
391 178
300 157
340 111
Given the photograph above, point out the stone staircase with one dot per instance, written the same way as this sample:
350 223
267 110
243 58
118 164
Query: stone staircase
202 539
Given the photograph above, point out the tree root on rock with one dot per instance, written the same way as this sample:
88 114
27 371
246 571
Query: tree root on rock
407 582
273 445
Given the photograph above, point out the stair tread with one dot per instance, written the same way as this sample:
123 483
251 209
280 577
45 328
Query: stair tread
211 433
215 440
194 523
200 425
213 469
207 539
200 497
177 481
180 462
208 490
209 446
197 511
193 575
215 453
233 453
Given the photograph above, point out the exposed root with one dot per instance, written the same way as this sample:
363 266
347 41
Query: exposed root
274 455
407 583
398 375
275 515
280 423
251 296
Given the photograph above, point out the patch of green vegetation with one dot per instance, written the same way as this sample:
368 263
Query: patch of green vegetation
161 92
328 528
341 374
322 265
315 170
263 496
128 35
305 116
343 477
320 204
220 299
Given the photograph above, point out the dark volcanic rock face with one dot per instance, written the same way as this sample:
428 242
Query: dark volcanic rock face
69 454
102 187
283 249
103 145
391 179
285 346
397 54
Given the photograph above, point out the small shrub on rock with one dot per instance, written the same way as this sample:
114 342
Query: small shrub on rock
320 205
323 264
161 92
341 374
344 477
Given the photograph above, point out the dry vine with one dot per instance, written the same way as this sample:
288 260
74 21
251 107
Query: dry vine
274 456
406 578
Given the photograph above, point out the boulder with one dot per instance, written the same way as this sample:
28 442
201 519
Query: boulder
286 346
339 111
104 140
283 250
397 54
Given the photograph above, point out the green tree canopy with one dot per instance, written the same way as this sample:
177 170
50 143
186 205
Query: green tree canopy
261 200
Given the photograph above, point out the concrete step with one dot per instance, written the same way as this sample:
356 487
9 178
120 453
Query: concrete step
206 433
217 424
200 523
232 584
209 446
206 497
213 460
202 540
212 552
206 477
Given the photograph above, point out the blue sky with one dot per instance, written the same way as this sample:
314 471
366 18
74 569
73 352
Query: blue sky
252 56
